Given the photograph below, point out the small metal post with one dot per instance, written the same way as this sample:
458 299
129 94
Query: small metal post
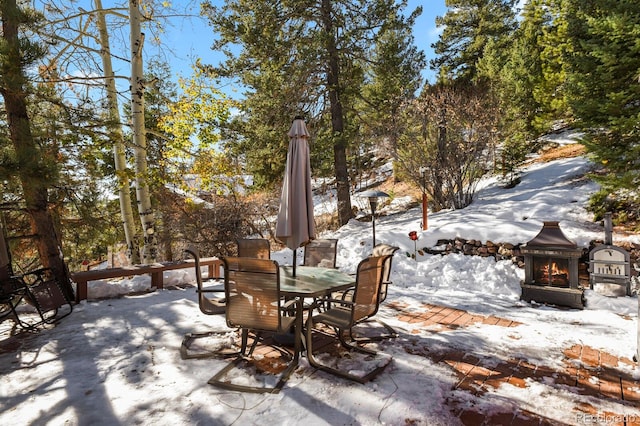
373 197
373 202
423 171
608 229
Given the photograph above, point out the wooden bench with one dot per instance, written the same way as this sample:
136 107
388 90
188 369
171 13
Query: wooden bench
155 270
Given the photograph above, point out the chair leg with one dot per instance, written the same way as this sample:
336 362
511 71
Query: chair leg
218 379
189 338
392 334
353 346
12 311
314 363
5 310
245 336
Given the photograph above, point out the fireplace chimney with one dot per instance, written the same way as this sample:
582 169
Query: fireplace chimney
551 236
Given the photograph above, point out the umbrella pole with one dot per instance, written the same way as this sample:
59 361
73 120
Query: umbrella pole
295 251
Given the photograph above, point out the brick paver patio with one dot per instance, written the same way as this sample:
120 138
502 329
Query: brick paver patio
587 371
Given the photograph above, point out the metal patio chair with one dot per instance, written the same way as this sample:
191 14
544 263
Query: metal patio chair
321 252
38 289
259 248
208 305
255 303
383 250
343 315
388 251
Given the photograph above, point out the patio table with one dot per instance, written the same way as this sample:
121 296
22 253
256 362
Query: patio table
311 282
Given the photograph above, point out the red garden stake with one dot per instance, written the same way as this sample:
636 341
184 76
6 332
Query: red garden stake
413 235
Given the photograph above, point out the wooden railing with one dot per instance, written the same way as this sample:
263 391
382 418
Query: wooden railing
156 270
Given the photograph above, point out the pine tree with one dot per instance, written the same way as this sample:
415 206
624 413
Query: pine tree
515 74
554 47
393 79
468 27
36 172
604 87
301 57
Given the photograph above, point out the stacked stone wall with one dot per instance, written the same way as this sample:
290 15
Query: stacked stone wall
508 251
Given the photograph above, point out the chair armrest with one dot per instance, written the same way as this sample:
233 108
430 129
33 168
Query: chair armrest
39 275
38 271
346 293
289 303
338 301
210 290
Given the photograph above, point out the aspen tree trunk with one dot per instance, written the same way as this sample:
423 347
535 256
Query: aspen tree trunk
145 210
117 136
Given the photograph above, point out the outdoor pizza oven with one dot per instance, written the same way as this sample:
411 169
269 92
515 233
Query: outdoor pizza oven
551 268
609 266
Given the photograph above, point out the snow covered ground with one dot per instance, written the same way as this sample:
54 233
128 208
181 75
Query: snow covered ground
117 361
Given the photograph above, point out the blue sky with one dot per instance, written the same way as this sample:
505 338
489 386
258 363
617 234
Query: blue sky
191 38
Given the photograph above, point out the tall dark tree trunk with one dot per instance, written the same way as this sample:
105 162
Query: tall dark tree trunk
337 117
34 185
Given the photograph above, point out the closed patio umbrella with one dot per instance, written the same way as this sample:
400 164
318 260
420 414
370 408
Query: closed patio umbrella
295 226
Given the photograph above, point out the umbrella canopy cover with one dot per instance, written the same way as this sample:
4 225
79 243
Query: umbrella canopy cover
295 225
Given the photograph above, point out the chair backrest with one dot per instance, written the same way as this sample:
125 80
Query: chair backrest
366 296
254 247
252 292
195 253
383 250
321 253
47 296
204 303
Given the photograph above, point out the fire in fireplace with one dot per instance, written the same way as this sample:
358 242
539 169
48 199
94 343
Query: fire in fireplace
551 268
552 272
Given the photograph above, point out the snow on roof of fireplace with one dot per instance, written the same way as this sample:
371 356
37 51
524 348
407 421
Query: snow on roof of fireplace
551 236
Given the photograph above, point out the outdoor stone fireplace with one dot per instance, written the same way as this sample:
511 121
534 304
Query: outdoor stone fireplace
551 268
